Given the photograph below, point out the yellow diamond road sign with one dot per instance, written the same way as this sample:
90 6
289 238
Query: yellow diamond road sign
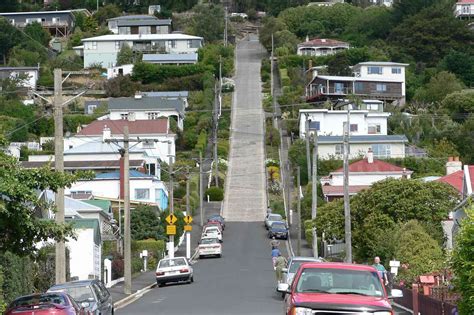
171 219
188 219
171 229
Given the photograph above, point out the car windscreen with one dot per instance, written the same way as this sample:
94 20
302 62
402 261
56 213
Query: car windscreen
172 262
209 241
274 217
279 226
339 281
39 299
78 293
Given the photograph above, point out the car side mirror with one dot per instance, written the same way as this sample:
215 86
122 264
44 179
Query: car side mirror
283 288
395 293
85 304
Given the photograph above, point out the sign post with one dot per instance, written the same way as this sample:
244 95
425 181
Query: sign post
188 228
171 230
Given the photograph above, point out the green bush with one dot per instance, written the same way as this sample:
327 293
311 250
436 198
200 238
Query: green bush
278 207
155 248
223 148
308 234
215 194
202 142
285 79
148 73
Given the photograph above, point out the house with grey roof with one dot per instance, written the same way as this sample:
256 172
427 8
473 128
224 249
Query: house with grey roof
145 106
171 59
139 24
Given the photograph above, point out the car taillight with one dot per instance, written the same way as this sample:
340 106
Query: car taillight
160 273
184 270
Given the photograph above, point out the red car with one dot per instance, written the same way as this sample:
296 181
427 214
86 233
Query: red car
56 303
336 288
214 223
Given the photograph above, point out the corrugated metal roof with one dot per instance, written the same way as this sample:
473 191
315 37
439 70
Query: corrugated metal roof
323 42
88 224
94 147
109 164
146 103
103 204
136 127
377 166
364 139
193 57
139 37
134 17
167 94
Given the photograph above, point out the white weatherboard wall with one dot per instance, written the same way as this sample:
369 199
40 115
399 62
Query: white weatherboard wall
367 179
85 255
328 151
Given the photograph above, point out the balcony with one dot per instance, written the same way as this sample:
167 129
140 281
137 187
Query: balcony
46 24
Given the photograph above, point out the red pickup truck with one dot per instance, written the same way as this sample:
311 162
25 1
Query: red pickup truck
336 288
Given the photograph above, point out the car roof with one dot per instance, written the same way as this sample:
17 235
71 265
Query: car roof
303 258
74 284
336 265
173 258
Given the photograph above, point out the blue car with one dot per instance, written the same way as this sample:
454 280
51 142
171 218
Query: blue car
278 230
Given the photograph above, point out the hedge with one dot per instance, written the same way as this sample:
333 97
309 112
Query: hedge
148 73
215 193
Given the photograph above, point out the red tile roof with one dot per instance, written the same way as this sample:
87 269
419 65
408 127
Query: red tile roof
137 127
378 166
339 190
465 1
323 42
456 179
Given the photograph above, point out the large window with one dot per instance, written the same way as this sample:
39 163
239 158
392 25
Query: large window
153 115
358 87
381 87
374 70
314 125
374 129
382 150
142 193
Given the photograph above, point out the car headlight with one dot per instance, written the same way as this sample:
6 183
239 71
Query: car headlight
383 313
302 311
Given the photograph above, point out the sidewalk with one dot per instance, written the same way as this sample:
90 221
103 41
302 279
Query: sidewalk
139 282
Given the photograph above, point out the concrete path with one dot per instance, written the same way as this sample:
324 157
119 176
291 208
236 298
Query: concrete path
245 195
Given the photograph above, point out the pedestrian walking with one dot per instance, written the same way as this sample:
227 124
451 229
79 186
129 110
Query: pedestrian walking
280 263
381 270
274 243
275 253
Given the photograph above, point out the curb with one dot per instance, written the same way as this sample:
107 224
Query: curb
123 302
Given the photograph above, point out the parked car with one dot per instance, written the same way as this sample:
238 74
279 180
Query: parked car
293 264
212 231
217 217
56 303
173 270
337 288
92 295
210 246
270 218
214 223
278 229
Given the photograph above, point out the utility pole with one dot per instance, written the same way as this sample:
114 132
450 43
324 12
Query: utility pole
220 88
188 212
225 28
288 193
308 155
272 86
201 192
314 191
170 169
216 161
298 244
59 167
126 197
347 205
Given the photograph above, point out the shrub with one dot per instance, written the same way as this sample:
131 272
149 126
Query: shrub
148 73
202 142
308 234
215 194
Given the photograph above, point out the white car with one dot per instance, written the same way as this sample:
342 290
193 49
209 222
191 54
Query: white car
210 246
173 270
212 232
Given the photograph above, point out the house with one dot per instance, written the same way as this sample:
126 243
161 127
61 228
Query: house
387 3
321 47
103 50
333 122
464 9
383 146
145 107
144 188
383 81
27 76
362 174
327 3
91 106
152 9
57 23
114 72
171 59
139 24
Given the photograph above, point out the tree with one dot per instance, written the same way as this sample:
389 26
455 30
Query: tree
125 55
462 262
208 22
121 86
373 23
107 12
9 6
38 33
442 148
271 25
406 8
440 85
459 104
145 223
461 64
339 65
20 228
9 37
286 39
418 251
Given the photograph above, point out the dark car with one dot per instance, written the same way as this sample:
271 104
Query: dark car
56 303
278 230
219 218
90 294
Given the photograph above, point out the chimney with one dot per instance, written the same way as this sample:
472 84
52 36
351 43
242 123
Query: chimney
122 174
323 40
138 96
106 134
307 38
131 116
370 156
404 175
453 165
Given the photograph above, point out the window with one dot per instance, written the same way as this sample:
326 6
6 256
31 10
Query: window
374 70
338 87
93 45
113 24
12 21
353 128
118 45
381 87
144 30
396 70
381 150
189 43
124 116
142 193
373 106
148 144
339 148
374 129
466 9
172 43
314 125
91 109
153 115
358 86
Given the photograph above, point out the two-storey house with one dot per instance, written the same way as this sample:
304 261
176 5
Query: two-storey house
103 50
375 80
321 47
139 24
464 9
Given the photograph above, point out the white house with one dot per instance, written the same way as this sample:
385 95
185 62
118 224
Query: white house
333 122
114 72
362 174
139 24
464 9
27 76
144 188
171 59
321 47
103 50
371 80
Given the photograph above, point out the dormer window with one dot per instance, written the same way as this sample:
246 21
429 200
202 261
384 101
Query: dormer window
374 70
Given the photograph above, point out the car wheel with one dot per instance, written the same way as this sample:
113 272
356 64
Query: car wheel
161 284
219 255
